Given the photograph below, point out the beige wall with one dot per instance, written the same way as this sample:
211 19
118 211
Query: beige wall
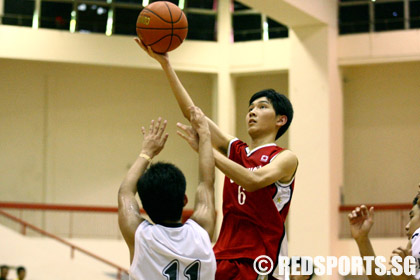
70 131
382 132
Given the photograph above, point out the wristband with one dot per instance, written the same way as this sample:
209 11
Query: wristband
149 159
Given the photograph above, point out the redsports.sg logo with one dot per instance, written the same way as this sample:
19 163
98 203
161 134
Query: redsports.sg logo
319 265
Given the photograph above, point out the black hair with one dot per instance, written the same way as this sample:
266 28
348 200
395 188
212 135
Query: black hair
162 189
4 267
20 268
415 200
281 104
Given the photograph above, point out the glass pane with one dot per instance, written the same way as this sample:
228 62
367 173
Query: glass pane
201 27
354 19
415 14
56 15
247 27
125 21
172 1
200 4
18 12
276 30
389 16
92 18
140 2
237 6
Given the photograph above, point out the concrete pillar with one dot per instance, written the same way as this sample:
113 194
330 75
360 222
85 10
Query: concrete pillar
224 95
316 137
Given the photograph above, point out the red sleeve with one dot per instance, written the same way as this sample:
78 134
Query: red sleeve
236 149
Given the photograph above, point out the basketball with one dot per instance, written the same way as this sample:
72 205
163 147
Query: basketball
162 25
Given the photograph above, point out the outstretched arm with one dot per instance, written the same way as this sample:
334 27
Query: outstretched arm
128 209
198 136
281 169
361 221
220 140
403 253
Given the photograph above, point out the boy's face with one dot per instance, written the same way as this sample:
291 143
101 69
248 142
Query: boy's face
261 117
414 222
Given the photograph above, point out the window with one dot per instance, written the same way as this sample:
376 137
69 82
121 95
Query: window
201 26
389 16
237 6
172 1
56 15
415 14
91 18
129 1
125 21
200 4
354 19
276 30
18 12
247 27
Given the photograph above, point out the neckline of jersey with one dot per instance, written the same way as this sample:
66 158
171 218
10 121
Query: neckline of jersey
248 152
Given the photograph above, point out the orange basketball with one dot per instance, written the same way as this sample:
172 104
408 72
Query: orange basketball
162 26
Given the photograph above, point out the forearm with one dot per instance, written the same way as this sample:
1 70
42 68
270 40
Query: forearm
181 95
129 183
366 250
206 159
239 174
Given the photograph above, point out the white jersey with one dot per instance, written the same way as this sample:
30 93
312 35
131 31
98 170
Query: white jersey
415 248
172 253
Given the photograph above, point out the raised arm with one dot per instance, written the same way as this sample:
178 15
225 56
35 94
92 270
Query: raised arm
220 140
361 221
128 209
281 169
198 136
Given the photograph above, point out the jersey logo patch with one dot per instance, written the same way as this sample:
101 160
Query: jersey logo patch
264 158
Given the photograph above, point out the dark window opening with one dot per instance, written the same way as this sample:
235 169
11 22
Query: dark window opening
389 16
247 27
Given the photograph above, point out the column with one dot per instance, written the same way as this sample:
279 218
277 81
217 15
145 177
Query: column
316 138
224 94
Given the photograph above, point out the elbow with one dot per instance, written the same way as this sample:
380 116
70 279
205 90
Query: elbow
252 185
249 188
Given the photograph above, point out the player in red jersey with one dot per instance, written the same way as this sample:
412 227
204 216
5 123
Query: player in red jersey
258 185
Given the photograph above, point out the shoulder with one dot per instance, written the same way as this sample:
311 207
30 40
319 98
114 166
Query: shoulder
285 156
196 227
235 146
144 227
287 163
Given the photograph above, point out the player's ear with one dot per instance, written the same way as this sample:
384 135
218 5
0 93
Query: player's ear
185 199
281 120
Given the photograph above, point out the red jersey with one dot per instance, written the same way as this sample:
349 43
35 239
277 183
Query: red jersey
253 222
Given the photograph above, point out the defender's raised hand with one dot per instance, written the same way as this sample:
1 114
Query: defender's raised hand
154 139
361 221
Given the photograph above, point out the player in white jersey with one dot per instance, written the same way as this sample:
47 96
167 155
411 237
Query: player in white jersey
361 221
168 249
413 232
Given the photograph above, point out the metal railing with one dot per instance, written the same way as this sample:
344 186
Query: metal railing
71 221
73 247
389 221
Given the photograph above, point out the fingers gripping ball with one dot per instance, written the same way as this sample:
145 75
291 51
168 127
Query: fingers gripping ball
162 26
